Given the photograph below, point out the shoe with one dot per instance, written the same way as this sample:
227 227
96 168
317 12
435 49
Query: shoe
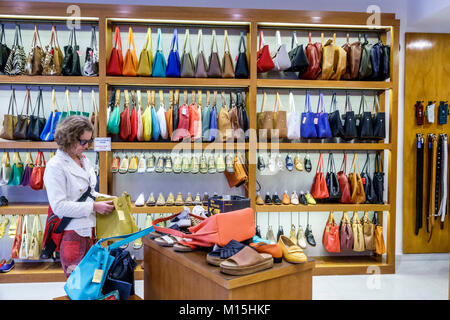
273 249
298 163
151 163
229 161
188 201
303 199
280 232
268 199
301 239
270 236
137 244
3 226
309 236
168 165
291 252
160 164
197 200
280 163
170 201
294 198
308 165
7 266
140 201
179 200
289 163
160 201
115 163
148 221
293 234
3 201
285 199
195 166
211 165
276 199
220 163
310 198
186 164
133 166
203 164
177 164
205 199
151 200
257 233
259 199
261 165
142 164
123 168
272 164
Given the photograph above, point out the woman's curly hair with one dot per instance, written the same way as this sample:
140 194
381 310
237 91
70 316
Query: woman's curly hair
70 130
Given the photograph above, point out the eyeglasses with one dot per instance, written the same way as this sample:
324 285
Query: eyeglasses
84 142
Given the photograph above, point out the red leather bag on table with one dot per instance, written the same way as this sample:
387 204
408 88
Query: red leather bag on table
125 120
264 60
217 229
330 238
319 188
37 174
115 63
344 185
314 55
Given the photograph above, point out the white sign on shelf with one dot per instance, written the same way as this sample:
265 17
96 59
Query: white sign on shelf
102 144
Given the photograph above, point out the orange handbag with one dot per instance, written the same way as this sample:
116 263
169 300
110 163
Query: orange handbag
130 63
193 117
330 238
319 188
17 239
240 174
37 174
356 185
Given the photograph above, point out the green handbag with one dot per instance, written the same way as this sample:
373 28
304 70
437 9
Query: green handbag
16 171
114 117
365 65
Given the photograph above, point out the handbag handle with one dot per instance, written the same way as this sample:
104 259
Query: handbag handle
29 159
214 98
294 39
261 39
2 34
331 164
68 104
159 42
174 40
366 167
12 103
187 40
344 164
309 38
94 39
355 163
333 103
320 108
126 238
307 102
139 99
161 99
200 41
94 103
36 37
39 102
199 98
278 36
224 101
54 102
80 97
117 39
376 105
348 106
131 39
362 103
263 102
242 43
226 45
291 102
378 163
214 42
148 39
320 164
277 103
26 101
133 99
18 36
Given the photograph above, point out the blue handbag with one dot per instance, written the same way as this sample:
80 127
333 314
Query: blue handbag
213 124
52 121
159 62
173 62
156 130
308 128
87 279
323 124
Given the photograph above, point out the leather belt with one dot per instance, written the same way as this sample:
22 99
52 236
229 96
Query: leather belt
419 182
443 178
432 156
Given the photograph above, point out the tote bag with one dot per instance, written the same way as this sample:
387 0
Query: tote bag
90 68
314 56
201 68
71 63
340 61
379 120
115 63
293 120
6 169
130 62
161 115
35 58
140 130
52 121
146 56
10 119
27 171
241 70
319 188
37 122
187 61
358 234
308 126
350 130
206 118
113 125
156 128
323 125
281 59
227 61
214 67
213 120
224 123
16 171
159 63
265 121
125 121
264 62
334 117
346 233
147 119
173 61
15 65
344 184
365 127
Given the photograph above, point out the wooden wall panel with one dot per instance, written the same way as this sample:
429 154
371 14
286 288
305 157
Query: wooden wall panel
427 78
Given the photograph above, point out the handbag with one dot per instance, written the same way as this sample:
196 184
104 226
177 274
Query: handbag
346 233
161 115
33 65
369 232
16 171
53 57
358 234
66 112
319 188
176 103
94 116
37 174
213 129
378 235
233 114
130 62
293 120
4 50
88 278
227 61
133 119
353 59
334 191
378 120
279 120
297 55
365 66
120 276
71 63
344 184
187 61
239 176
156 129
6 169
378 179
241 69
340 61
125 121
308 126
385 63
173 61
350 131
322 123
15 65
198 118
223 122
375 59
81 103
17 242
159 63
201 69
27 171
140 127
206 118
145 64
115 63
113 125
442 112
281 59
264 60
147 119
328 63
214 68
48 132
245 120
35 239
330 237
314 55
364 123
264 121
90 68
356 184
10 118
169 116
334 118
367 182
37 123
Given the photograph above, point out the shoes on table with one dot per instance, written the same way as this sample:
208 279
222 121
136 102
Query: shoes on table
291 252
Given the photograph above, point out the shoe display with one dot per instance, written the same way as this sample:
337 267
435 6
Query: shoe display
160 201
280 163
261 165
259 199
160 164
309 236
203 164
211 164
276 199
195 166
291 252
205 199
270 236
123 168
186 164
298 163
151 200
197 200
140 201
168 165
151 163
142 166
294 198
308 165
280 232
310 198
115 163
177 164
289 163
3 226
179 200
303 199
170 201
133 165
301 239
293 234
229 161
285 198
268 199
7 266
220 163
189 201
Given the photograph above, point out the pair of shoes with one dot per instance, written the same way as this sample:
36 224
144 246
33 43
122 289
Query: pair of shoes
272 200
291 252
3 226
273 249
7 266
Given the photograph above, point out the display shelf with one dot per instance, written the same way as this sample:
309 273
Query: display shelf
5 144
24 208
177 82
324 146
350 265
323 84
50 80
177 145
161 209
328 207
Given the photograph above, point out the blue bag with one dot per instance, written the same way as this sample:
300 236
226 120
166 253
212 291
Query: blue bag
173 62
52 121
213 124
159 62
87 279
308 128
156 130
323 124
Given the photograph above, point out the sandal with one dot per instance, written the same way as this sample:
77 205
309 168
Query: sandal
246 261
167 240
220 254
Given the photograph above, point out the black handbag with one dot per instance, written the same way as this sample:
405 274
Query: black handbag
334 190
378 179
378 120
245 119
375 59
4 50
121 274
241 69
350 131
20 131
297 55
364 121
365 65
37 123
334 117
367 182
385 63
71 63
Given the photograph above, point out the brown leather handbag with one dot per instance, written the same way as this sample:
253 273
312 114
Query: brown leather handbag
35 59
265 121
346 233
234 118
330 237
201 69
378 235
20 131
10 118
314 55
224 123
340 61
214 69
227 61
54 57
356 184
130 62
369 232
240 175
358 234
327 59
279 119
353 58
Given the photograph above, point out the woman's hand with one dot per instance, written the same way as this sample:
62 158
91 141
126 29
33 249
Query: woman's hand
104 207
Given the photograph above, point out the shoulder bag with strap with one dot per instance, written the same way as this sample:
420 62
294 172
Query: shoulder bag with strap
299 61
15 65
125 121
308 127
323 124
241 70
214 68
350 130
90 68
334 190
279 121
353 59
314 56
358 234
378 120
330 238
173 61
159 63
293 120
367 182
227 61
130 62
365 66
356 184
145 64
223 121
71 63
319 188
365 127
187 61
344 184
10 118
201 68
4 50
206 117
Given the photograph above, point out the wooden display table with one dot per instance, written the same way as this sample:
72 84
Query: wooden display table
187 276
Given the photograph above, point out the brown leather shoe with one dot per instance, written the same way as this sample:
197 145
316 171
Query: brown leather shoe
259 199
286 200
179 200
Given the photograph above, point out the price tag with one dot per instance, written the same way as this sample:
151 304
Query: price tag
316 120
98 274
304 120
184 111
102 144
121 215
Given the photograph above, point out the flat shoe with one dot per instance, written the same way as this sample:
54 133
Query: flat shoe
151 200
220 254
151 163
140 201
124 165
115 164
167 240
273 249
291 252
142 165
246 261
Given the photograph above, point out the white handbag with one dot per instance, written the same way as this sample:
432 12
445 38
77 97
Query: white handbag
6 169
161 114
293 120
24 245
281 59
34 251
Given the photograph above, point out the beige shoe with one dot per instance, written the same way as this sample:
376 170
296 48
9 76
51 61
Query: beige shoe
220 163
3 227
142 167
195 166
168 165
151 200
179 200
189 201
170 201
259 199
160 201
198 200
211 165
203 164
124 165
151 163
133 166
298 163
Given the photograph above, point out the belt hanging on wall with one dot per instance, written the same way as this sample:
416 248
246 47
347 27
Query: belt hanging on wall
419 182
443 178
432 157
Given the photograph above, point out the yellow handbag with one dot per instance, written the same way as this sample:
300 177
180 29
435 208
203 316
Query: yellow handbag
146 57
327 59
224 123
340 61
34 251
147 119
118 222
358 234
130 62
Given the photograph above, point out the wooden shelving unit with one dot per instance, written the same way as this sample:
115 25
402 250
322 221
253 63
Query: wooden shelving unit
106 16
321 207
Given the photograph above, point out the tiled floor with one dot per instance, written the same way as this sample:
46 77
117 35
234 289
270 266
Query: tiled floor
418 277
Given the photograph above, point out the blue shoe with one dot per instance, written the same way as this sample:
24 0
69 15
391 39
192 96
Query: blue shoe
257 239
8 266
289 163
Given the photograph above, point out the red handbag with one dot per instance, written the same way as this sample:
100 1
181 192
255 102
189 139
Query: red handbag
314 55
264 60
182 130
319 188
134 121
17 239
330 238
217 229
125 120
344 185
115 63
37 174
